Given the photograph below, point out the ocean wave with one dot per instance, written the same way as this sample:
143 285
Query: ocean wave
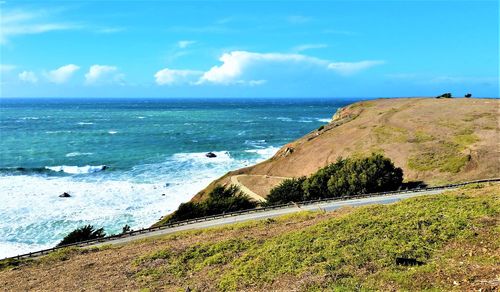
265 152
112 132
85 123
74 154
30 118
284 119
77 169
324 120
221 156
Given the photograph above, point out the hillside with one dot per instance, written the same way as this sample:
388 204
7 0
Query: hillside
436 141
454 236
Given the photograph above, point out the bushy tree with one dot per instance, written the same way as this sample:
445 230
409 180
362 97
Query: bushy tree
371 174
220 200
316 186
289 190
84 233
345 177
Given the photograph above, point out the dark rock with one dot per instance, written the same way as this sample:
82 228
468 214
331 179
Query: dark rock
408 262
64 195
210 155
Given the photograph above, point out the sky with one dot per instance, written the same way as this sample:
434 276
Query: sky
248 48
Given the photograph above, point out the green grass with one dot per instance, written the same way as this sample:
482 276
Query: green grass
421 137
389 134
355 251
445 156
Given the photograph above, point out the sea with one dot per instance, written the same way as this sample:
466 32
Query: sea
129 161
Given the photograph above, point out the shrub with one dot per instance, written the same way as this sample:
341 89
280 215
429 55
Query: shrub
80 234
321 128
445 95
468 95
345 177
289 190
220 200
371 174
316 186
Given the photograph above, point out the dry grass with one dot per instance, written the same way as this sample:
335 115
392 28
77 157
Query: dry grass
434 140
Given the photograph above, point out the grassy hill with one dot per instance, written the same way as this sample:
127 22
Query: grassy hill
455 235
436 141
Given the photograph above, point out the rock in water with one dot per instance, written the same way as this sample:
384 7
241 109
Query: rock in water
64 195
210 155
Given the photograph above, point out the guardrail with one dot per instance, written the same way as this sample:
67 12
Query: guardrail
236 213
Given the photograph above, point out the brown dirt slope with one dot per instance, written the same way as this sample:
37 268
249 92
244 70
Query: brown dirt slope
437 141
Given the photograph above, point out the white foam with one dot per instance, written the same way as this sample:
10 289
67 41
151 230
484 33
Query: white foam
74 154
265 152
85 123
112 132
33 216
284 119
76 169
325 120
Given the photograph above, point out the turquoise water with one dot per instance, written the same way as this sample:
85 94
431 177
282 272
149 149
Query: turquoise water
128 161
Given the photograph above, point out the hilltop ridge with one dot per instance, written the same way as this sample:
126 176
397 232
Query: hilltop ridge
435 141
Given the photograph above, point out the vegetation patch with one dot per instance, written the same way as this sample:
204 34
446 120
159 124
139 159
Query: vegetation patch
358 251
193 259
388 134
346 177
420 137
220 200
445 156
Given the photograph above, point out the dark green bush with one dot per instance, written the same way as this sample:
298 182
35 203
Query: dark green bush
289 190
84 233
220 200
346 177
375 173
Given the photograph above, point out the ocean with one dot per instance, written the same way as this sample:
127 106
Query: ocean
128 161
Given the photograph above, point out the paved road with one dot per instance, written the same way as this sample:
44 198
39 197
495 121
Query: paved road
328 206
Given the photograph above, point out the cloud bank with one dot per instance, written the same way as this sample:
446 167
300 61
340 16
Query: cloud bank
100 74
251 68
62 74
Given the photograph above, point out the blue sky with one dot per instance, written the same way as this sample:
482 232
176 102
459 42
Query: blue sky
248 49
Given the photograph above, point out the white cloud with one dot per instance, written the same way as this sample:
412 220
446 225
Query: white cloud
185 44
305 47
62 74
4 68
28 76
173 76
20 22
108 30
235 64
346 68
103 74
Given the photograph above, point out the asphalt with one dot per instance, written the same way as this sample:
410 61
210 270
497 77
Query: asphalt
324 206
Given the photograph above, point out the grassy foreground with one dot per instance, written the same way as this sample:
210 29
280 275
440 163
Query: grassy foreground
456 236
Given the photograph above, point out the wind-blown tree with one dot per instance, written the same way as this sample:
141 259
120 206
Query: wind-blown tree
220 200
345 177
289 190
371 174
84 233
